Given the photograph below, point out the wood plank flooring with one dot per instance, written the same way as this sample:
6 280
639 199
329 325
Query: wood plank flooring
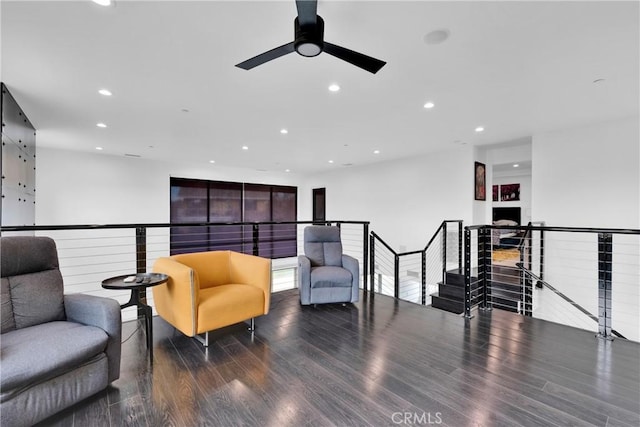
379 362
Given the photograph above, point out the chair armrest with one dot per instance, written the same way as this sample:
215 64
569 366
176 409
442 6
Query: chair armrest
252 270
103 313
304 279
176 301
351 264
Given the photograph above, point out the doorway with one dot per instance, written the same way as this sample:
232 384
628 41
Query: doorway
319 205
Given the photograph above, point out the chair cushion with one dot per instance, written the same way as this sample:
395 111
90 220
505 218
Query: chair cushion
27 254
37 298
37 353
330 277
322 245
228 304
6 308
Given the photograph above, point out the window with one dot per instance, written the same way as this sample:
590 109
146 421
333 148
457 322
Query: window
216 201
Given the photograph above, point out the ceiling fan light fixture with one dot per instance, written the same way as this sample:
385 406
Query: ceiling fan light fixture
309 41
309 38
308 49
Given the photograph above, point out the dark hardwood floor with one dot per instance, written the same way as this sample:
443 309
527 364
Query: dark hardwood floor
379 362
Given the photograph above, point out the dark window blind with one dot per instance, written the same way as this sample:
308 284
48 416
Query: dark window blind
216 201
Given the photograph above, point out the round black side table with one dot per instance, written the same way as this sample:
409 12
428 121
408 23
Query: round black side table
141 282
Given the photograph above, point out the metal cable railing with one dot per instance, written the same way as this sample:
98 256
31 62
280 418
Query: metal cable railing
89 254
414 276
561 274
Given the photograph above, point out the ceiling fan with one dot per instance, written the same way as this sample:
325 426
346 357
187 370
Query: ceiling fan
309 41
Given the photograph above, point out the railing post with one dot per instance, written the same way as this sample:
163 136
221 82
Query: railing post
256 239
141 263
396 277
444 252
486 268
527 290
467 273
528 283
372 262
424 277
605 258
365 256
459 245
541 257
481 262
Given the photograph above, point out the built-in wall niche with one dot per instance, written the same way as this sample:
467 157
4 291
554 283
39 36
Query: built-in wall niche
18 164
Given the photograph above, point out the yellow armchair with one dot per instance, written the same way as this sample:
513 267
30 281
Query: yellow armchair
210 290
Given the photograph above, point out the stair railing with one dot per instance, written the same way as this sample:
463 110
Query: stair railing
582 265
566 298
386 264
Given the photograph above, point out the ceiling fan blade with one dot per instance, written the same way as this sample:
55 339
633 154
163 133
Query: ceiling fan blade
267 56
307 12
365 62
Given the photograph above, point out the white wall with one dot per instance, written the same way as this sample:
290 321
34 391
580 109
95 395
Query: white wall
86 188
405 200
590 177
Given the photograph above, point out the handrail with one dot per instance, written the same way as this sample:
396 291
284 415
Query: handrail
562 229
385 244
158 225
442 225
563 296
396 257
418 251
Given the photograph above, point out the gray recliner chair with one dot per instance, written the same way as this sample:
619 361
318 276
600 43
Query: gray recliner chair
55 349
325 274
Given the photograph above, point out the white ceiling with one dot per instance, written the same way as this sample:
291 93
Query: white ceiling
516 68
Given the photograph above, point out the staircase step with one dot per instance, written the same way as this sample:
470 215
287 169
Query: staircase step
456 276
453 290
451 305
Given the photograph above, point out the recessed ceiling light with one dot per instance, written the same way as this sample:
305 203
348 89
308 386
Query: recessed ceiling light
105 92
334 88
212 161
376 151
479 129
99 148
437 36
287 170
429 105
284 131
102 2
244 147
101 125
330 161
516 165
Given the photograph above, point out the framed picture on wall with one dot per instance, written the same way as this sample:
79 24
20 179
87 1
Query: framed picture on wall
480 181
495 193
509 192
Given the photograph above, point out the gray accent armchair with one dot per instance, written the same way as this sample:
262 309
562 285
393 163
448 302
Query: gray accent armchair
325 274
55 349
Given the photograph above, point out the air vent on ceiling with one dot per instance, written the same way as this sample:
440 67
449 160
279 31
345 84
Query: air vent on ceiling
132 155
